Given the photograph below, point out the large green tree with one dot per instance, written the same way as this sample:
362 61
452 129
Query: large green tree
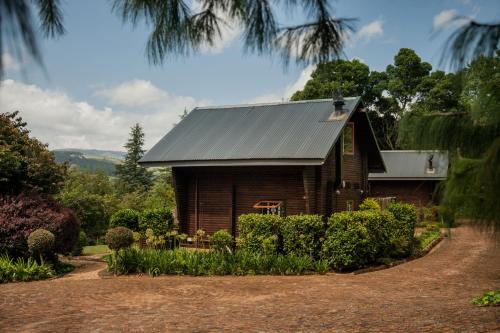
470 131
387 95
131 175
25 162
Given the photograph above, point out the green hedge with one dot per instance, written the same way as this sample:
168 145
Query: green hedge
128 218
159 220
403 232
259 233
181 261
302 234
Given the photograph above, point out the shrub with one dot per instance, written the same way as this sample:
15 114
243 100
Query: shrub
302 234
369 203
82 241
221 241
349 242
153 241
159 220
259 233
446 216
23 270
128 218
24 213
119 237
403 231
41 243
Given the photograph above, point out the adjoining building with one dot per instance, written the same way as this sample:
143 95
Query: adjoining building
412 176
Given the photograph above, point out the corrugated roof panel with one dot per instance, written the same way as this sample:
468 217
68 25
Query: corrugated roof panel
412 164
295 130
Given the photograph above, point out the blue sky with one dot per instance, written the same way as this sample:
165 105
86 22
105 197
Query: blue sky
99 82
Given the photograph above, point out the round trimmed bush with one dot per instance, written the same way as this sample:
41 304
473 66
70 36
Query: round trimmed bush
302 234
128 218
368 204
221 241
41 242
119 238
159 220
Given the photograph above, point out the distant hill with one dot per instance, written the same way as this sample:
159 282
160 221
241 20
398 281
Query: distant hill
90 159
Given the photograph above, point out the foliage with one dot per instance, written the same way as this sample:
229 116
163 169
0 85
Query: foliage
160 221
128 218
153 240
182 261
24 213
161 195
302 234
178 29
41 243
403 231
368 204
131 175
221 241
25 162
471 134
91 196
259 233
119 238
489 298
427 237
82 242
19 31
23 270
387 95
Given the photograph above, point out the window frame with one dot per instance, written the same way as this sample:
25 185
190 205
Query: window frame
344 152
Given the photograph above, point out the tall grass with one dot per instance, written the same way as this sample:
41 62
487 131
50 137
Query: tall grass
181 261
23 270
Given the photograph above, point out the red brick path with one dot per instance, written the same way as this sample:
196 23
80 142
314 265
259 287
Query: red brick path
430 294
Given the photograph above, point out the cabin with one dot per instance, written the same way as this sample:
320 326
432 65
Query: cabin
307 157
412 176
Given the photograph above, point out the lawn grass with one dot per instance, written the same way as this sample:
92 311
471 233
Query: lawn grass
95 249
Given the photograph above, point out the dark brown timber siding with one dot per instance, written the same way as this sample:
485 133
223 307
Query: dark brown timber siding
417 192
212 197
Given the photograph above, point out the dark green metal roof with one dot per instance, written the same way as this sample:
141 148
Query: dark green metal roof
292 133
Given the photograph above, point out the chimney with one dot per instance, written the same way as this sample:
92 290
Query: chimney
338 101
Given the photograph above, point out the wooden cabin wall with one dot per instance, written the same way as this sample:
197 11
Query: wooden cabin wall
417 192
226 192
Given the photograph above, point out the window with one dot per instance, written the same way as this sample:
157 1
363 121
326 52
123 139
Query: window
269 207
348 139
350 205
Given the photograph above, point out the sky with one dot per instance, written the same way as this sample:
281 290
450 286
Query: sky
97 82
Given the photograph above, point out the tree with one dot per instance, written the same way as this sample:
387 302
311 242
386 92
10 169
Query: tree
17 27
131 175
387 95
180 29
471 133
92 198
25 162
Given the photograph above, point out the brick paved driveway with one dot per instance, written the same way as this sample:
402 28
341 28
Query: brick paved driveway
430 294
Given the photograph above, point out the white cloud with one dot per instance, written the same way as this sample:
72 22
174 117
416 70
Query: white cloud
10 63
289 90
371 30
444 19
57 119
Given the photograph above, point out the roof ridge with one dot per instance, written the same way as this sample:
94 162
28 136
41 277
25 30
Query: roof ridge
268 104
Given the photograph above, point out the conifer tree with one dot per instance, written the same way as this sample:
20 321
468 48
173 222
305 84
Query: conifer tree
131 175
